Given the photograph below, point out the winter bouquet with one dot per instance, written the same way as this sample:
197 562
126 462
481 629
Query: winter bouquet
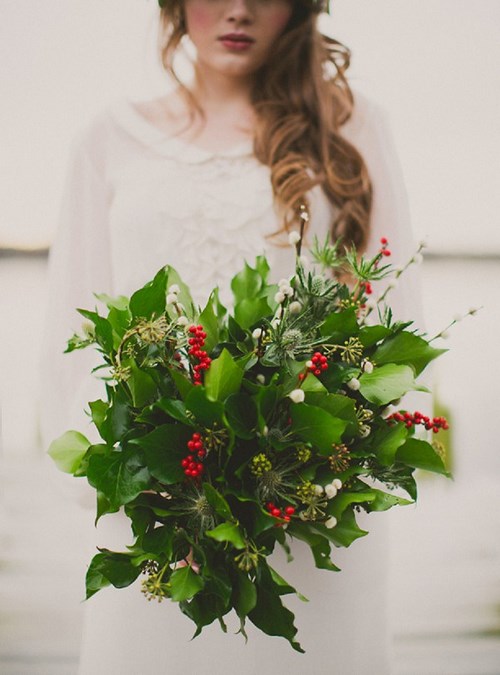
225 434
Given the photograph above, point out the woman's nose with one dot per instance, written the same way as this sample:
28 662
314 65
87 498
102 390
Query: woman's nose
240 10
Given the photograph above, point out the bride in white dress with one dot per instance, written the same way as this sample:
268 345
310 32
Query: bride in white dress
198 180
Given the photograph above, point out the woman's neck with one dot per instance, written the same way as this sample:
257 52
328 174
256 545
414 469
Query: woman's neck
220 95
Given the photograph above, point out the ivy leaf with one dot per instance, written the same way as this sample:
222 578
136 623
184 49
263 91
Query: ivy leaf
159 540
421 455
150 300
317 426
108 567
120 476
387 441
68 450
223 378
184 584
142 386
340 325
244 595
250 310
407 348
103 330
370 335
384 501
175 409
246 284
284 587
345 532
210 322
242 415
269 613
207 412
228 532
164 448
387 383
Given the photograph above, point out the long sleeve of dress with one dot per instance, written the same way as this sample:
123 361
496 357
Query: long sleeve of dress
371 134
79 263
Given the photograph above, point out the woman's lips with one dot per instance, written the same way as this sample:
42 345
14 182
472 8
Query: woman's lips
237 42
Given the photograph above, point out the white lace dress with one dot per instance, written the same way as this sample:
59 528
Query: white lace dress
136 200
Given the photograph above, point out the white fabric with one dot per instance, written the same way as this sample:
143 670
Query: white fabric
136 200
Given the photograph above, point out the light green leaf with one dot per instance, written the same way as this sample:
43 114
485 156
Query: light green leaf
68 450
387 383
228 532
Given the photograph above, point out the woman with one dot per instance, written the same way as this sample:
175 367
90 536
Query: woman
210 175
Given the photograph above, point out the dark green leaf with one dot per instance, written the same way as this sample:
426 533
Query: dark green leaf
241 413
407 348
217 501
421 455
316 426
149 301
121 476
206 411
164 448
184 584
103 330
270 615
246 284
223 378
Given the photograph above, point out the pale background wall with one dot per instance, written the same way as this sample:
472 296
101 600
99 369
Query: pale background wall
434 65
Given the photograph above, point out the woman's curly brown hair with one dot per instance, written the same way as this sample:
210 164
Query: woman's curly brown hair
301 98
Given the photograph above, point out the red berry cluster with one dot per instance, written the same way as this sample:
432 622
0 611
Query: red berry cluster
196 342
284 514
367 287
410 419
192 465
384 250
319 363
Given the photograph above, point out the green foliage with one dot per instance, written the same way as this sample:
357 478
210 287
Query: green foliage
68 450
191 412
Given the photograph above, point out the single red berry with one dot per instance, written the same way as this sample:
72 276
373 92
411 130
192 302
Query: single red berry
201 453
289 510
276 512
384 241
